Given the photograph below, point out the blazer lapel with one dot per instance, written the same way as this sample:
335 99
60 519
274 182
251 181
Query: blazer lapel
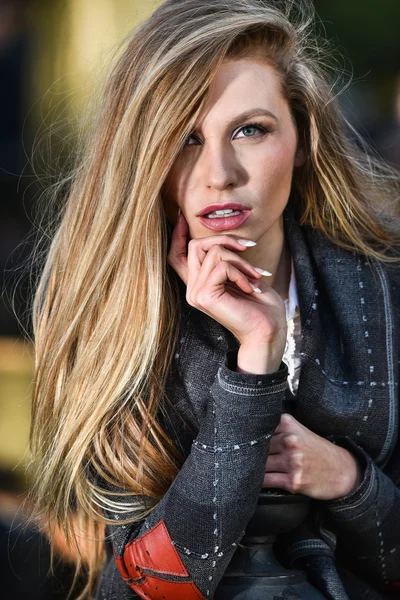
347 380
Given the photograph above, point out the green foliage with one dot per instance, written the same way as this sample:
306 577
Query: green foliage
367 32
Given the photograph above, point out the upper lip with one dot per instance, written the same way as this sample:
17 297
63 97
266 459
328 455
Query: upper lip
213 207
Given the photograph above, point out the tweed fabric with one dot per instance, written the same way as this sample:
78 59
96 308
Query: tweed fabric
347 392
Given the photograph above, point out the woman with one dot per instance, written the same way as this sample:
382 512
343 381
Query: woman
159 391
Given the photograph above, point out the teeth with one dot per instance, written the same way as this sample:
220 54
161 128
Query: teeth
219 214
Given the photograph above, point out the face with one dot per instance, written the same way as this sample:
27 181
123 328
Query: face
239 158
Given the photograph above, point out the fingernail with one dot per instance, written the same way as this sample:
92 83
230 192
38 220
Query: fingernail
179 211
256 289
262 271
247 243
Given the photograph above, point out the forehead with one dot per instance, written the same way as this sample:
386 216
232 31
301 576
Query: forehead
240 85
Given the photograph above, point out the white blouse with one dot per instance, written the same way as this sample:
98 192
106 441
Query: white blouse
291 355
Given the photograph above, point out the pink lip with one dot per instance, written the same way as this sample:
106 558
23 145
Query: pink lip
213 207
225 223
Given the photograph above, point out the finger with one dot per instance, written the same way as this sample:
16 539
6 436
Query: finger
205 291
177 256
282 443
277 463
287 423
275 446
217 254
278 480
199 247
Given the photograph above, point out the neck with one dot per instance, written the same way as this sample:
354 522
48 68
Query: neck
273 254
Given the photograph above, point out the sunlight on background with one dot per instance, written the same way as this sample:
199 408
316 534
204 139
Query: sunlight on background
16 362
73 41
83 34
70 45
54 55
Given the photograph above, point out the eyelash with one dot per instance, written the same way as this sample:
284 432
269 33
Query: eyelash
261 129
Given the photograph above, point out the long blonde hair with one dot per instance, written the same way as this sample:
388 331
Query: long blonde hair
105 313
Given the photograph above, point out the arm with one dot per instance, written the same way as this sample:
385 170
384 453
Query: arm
186 543
368 524
368 519
363 502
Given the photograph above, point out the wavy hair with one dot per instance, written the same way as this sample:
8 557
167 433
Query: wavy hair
106 313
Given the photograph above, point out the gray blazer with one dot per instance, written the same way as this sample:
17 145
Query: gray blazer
223 420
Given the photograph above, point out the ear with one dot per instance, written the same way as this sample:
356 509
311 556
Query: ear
300 156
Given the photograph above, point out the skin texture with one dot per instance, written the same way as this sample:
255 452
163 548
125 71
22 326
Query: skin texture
302 462
223 162
227 160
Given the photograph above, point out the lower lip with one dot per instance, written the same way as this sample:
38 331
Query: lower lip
225 223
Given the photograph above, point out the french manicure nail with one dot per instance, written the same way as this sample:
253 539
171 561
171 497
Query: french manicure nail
247 243
262 271
255 288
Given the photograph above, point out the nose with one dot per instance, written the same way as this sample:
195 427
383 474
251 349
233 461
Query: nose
219 167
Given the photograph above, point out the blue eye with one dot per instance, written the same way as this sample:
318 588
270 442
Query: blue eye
252 129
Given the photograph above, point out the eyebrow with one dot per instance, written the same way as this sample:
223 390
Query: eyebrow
249 114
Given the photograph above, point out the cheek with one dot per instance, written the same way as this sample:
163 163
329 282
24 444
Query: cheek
176 183
276 166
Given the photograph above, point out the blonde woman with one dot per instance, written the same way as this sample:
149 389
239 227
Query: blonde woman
224 247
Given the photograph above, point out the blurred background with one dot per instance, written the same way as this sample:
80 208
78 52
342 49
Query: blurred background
52 53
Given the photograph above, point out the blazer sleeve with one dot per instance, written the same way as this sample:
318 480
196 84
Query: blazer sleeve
181 550
368 519
368 524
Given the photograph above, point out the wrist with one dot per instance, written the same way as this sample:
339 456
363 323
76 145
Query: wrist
258 359
353 475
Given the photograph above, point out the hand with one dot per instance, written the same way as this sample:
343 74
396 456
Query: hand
221 284
302 462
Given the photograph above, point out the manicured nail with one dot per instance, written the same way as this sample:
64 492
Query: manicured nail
256 289
262 271
247 243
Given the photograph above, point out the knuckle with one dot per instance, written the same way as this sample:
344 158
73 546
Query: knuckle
201 298
221 266
295 482
296 461
189 298
291 441
214 251
287 420
192 245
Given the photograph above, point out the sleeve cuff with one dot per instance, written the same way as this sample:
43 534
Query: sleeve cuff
245 408
227 373
363 496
